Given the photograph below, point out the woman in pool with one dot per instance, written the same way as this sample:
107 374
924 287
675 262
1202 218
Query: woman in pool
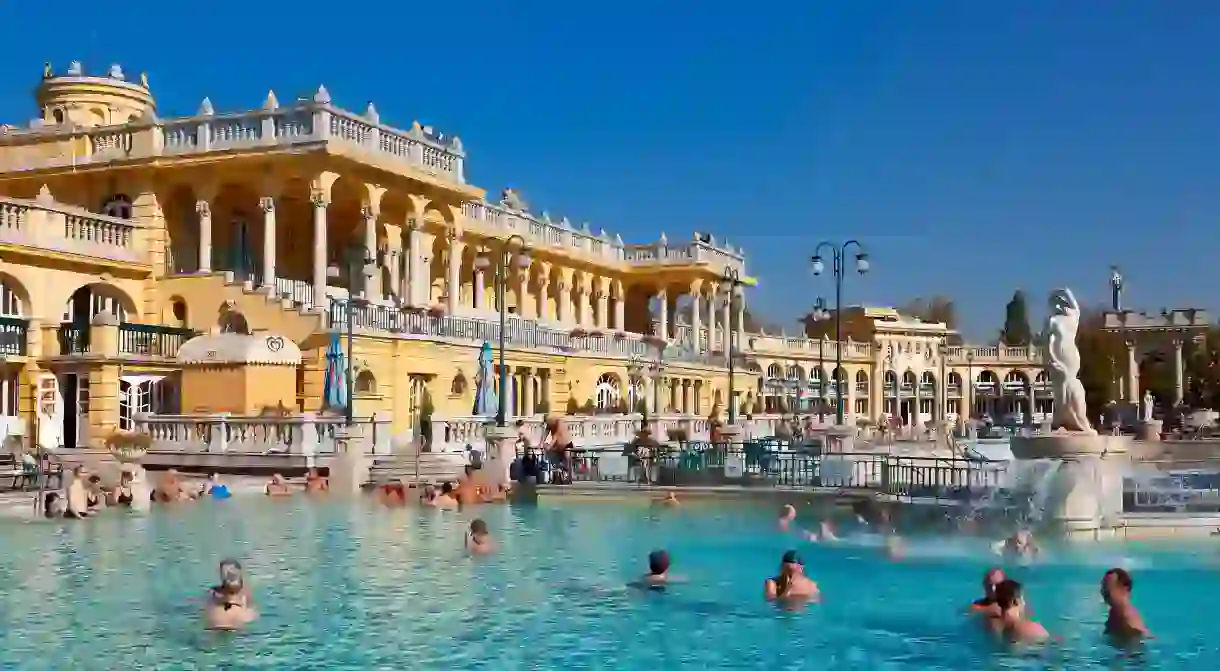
78 495
95 496
276 486
478 540
229 605
791 584
315 483
122 495
787 515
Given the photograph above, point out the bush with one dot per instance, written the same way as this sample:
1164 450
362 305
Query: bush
588 407
573 407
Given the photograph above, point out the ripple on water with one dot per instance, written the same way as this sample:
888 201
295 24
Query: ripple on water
353 586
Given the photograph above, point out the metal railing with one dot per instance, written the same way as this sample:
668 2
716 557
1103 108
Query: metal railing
152 340
73 338
14 335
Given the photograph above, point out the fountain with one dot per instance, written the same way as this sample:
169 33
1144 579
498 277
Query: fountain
1083 494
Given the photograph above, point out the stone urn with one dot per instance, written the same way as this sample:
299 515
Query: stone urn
128 447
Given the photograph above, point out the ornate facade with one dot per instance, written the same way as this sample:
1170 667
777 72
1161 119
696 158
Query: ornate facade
294 219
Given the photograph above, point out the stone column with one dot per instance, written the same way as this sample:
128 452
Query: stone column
1133 374
663 303
411 263
620 306
453 284
696 316
527 380
1179 389
544 299
563 300
711 318
318 197
602 294
393 237
267 203
741 317
725 324
204 209
584 305
372 285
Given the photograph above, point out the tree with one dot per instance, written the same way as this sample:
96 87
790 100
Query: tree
937 309
1017 332
1103 359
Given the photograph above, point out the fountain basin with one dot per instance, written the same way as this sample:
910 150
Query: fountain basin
1069 445
1083 493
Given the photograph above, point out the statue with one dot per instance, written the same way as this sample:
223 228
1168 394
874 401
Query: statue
1064 363
486 403
1146 415
512 200
47 73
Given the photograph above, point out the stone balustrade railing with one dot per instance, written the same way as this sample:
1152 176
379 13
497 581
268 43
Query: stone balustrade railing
45 224
540 231
994 354
305 435
303 123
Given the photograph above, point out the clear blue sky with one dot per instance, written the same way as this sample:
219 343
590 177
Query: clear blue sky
975 147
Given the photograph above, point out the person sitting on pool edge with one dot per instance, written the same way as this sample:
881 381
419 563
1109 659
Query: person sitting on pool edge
987 605
229 605
478 540
791 584
1123 623
1011 623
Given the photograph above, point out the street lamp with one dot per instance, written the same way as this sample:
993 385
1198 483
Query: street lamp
821 314
729 284
357 263
942 348
838 255
502 265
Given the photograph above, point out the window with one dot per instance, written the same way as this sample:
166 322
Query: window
145 395
607 392
117 205
58 115
10 392
10 302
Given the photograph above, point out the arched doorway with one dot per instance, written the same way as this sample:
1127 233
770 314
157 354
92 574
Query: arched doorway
986 395
927 397
907 409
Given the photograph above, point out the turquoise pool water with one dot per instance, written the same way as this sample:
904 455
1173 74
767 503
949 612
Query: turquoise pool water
353 586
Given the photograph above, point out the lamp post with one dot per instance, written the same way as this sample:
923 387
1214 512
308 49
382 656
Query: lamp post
820 314
969 387
357 263
729 284
942 348
502 265
838 255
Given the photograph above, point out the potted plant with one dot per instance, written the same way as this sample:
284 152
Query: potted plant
578 332
572 407
128 447
436 310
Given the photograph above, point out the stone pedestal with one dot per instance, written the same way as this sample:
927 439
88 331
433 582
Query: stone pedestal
349 469
1084 495
501 452
1150 429
735 459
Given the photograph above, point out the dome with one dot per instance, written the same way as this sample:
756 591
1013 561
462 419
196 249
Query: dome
238 348
89 100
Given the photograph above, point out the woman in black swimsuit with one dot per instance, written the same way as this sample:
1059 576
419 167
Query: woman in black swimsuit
95 498
122 495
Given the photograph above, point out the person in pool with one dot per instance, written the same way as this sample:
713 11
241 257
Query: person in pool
658 572
315 483
791 584
1020 545
277 486
478 540
1011 624
122 495
670 500
215 488
824 534
229 605
1124 622
447 499
987 605
95 496
787 515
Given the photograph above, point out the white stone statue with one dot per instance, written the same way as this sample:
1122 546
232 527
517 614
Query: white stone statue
1146 415
1063 359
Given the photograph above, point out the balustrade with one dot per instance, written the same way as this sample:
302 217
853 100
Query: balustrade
45 224
14 336
305 435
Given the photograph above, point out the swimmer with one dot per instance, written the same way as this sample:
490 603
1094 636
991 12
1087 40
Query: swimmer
479 541
987 605
787 515
1011 623
447 499
791 584
430 497
1020 545
315 483
1124 622
229 605
895 548
824 534
669 500
658 572
276 486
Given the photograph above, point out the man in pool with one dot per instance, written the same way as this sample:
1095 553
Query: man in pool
787 515
229 605
1011 623
478 540
658 572
791 584
987 606
1020 545
1124 622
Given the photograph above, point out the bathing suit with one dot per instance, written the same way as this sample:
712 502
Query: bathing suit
125 499
92 501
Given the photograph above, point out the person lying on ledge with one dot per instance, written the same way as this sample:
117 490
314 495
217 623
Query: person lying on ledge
276 486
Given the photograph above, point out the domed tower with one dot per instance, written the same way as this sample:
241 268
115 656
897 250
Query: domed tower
86 100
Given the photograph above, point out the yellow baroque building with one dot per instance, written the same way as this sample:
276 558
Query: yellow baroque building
123 235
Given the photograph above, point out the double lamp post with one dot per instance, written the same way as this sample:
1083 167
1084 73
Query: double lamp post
838 254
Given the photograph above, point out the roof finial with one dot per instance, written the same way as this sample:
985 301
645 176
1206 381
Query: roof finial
271 103
75 69
205 107
322 97
116 72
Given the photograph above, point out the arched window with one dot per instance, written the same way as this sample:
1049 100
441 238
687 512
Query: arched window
117 205
607 392
365 383
458 388
10 300
232 321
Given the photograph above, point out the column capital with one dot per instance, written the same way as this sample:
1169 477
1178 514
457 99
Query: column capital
320 186
393 235
267 204
544 270
696 285
319 197
371 203
419 204
203 208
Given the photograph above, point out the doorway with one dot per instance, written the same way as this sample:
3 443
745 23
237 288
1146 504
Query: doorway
74 405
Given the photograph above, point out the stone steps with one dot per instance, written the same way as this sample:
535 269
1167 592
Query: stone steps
431 467
262 308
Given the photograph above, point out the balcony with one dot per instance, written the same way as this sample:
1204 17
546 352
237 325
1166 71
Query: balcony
43 224
142 341
993 354
309 124
14 336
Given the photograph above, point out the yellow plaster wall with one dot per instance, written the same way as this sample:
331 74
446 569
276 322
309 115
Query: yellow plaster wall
237 389
46 287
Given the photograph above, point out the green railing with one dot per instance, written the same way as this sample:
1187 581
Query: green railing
73 338
152 340
14 335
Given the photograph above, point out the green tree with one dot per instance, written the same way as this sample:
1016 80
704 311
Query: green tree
937 309
1102 359
1017 331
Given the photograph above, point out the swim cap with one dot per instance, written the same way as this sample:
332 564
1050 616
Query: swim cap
791 557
